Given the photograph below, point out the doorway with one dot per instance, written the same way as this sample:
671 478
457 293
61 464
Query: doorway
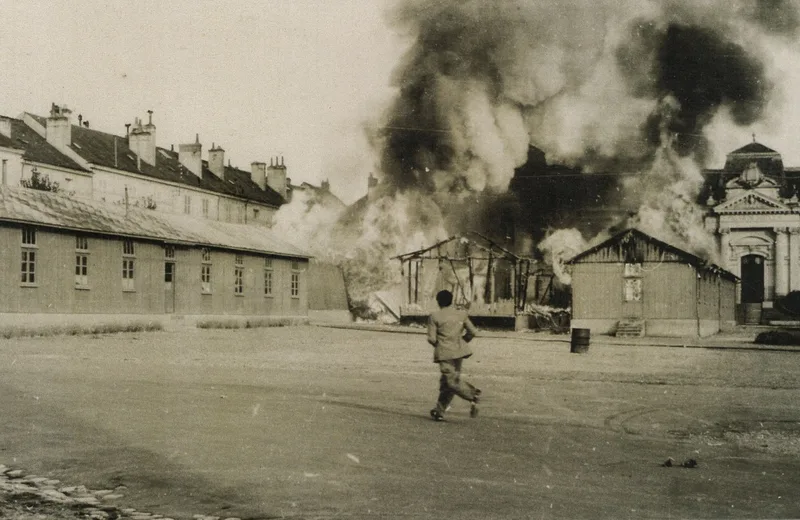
752 288
169 287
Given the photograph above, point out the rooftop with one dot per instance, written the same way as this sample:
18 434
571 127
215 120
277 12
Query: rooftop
112 151
57 211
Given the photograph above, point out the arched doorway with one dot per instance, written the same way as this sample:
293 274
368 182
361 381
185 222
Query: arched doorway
752 287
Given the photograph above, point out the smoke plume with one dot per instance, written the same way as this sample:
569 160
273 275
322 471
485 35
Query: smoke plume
623 88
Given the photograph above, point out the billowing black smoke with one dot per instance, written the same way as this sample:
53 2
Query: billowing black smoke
701 71
779 16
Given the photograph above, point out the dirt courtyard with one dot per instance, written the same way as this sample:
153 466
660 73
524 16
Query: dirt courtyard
313 422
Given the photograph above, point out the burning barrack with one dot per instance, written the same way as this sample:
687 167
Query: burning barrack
486 279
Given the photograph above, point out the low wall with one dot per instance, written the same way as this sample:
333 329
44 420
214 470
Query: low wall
167 321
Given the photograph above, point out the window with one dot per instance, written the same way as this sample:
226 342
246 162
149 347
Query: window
255 213
295 285
238 276
632 282
205 278
81 261
187 204
128 272
238 283
5 172
169 251
28 269
205 272
28 236
268 277
205 207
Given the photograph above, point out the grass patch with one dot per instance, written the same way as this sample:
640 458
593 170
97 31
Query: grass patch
78 330
252 323
779 337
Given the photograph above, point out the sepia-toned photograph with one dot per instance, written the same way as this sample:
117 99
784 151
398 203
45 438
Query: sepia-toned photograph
413 259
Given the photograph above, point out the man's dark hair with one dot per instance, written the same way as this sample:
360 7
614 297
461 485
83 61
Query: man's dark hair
444 298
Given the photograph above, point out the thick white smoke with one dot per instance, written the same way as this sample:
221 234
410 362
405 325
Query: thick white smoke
626 87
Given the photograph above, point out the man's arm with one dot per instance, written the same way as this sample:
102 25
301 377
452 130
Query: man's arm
471 331
432 332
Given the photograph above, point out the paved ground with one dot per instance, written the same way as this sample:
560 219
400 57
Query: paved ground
314 422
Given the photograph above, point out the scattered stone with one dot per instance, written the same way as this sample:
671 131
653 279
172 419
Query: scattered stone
3 468
102 492
52 493
38 480
52 482
690 463
68 489
112 496
15 473
128 510
668 463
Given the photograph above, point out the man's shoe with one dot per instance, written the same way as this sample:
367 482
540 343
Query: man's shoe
473 410
436 415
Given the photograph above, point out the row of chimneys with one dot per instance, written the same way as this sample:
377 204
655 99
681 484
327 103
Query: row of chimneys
142 141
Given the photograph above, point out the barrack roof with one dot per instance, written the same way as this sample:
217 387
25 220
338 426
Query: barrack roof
53 210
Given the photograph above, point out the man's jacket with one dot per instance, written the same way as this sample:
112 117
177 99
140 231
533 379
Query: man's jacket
446 329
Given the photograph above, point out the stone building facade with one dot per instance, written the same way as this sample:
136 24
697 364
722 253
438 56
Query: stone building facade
754 213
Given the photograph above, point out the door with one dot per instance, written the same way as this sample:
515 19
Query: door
752 279
752 288
632 305
169 287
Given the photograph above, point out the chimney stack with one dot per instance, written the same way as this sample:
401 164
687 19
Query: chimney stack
258 173
190 156
326 185
276 176
216 161
59 127
142 140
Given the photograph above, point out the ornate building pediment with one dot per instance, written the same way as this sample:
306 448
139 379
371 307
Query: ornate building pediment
752 202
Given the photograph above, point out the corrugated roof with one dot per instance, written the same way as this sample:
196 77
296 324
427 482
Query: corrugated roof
636 234
57 211
112 151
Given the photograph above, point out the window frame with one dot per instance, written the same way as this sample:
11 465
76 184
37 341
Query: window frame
238 274
81 261
128 266
268 278
29 248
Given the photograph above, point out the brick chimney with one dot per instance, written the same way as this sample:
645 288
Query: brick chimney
258 173
326 185
59 127
142 139
216 161
276 176
190 156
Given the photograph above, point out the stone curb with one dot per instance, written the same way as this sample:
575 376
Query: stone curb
92 503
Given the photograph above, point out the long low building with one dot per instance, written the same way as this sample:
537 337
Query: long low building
635 284
68 260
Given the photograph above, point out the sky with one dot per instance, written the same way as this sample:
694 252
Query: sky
299 79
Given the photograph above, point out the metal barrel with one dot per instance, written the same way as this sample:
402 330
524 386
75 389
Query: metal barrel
580 341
